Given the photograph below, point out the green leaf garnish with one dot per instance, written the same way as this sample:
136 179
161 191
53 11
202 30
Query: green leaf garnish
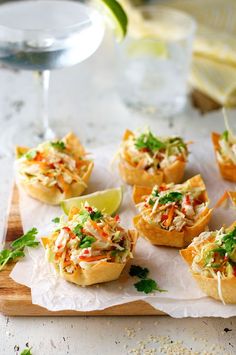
87 241
96 215
229 241
147 286
31 154
172 196
225 135
58 145
56 220
149 141
136 270
17 247
27 240
155 193
78 231
26 351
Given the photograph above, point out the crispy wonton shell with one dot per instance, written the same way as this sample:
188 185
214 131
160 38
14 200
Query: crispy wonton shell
52 195
103 271
135 176
209 285
158 236
228 171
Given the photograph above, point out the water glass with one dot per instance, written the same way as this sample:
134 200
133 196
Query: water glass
154 60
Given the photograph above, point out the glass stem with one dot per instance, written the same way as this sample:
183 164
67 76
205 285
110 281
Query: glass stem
44 78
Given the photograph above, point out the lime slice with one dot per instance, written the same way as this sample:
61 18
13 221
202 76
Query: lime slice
107 200
148 46
115 17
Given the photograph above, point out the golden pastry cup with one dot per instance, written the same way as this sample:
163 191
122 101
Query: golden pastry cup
227 170
103 271
209 285
135 176
158 236
52 195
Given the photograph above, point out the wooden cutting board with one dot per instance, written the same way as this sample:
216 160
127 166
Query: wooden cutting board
15 299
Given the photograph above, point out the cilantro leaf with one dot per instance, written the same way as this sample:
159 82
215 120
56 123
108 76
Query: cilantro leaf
31 154
26 351
225 135
78 231
136 270
27 240
56 220
151 202
87 241
17 247
58 145
155 193
96 215
172 196
147 286
229 241
149 141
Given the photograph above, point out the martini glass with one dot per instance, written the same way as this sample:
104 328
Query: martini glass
43 35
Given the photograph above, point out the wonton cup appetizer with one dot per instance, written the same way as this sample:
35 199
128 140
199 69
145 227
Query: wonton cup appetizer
147 160
90 247
172 215
212 261
225 150
55 170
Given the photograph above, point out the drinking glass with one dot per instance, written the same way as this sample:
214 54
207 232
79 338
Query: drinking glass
154 60
43 35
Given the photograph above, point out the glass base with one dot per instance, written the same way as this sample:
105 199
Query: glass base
162 109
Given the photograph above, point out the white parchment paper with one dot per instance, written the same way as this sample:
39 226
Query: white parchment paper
183 299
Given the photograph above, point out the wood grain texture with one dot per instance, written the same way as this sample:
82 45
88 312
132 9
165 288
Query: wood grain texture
15 299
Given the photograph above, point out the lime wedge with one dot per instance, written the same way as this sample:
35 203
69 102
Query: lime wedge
107 200
115 16
148 46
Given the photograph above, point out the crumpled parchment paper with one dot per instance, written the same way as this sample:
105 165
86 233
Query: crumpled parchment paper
183 297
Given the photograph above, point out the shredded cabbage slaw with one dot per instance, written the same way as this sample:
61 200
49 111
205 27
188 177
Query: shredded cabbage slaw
152 153
52 164
87 238
172 207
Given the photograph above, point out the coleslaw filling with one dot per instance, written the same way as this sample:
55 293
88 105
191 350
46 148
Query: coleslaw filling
227 145
152 153
52 164
172 207
215 254
88 238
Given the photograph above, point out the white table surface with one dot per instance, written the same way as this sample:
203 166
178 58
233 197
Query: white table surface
83 98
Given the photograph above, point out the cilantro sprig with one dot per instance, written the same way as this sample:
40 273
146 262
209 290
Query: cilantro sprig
56 220
87 241
229 241
26 351
136 270
146 284
149 141
17 247
172 196
225 135
60 145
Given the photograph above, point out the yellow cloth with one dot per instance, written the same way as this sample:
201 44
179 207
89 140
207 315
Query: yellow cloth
214 61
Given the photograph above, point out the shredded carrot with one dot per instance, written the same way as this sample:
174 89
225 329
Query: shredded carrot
170 216
223 198
98 229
